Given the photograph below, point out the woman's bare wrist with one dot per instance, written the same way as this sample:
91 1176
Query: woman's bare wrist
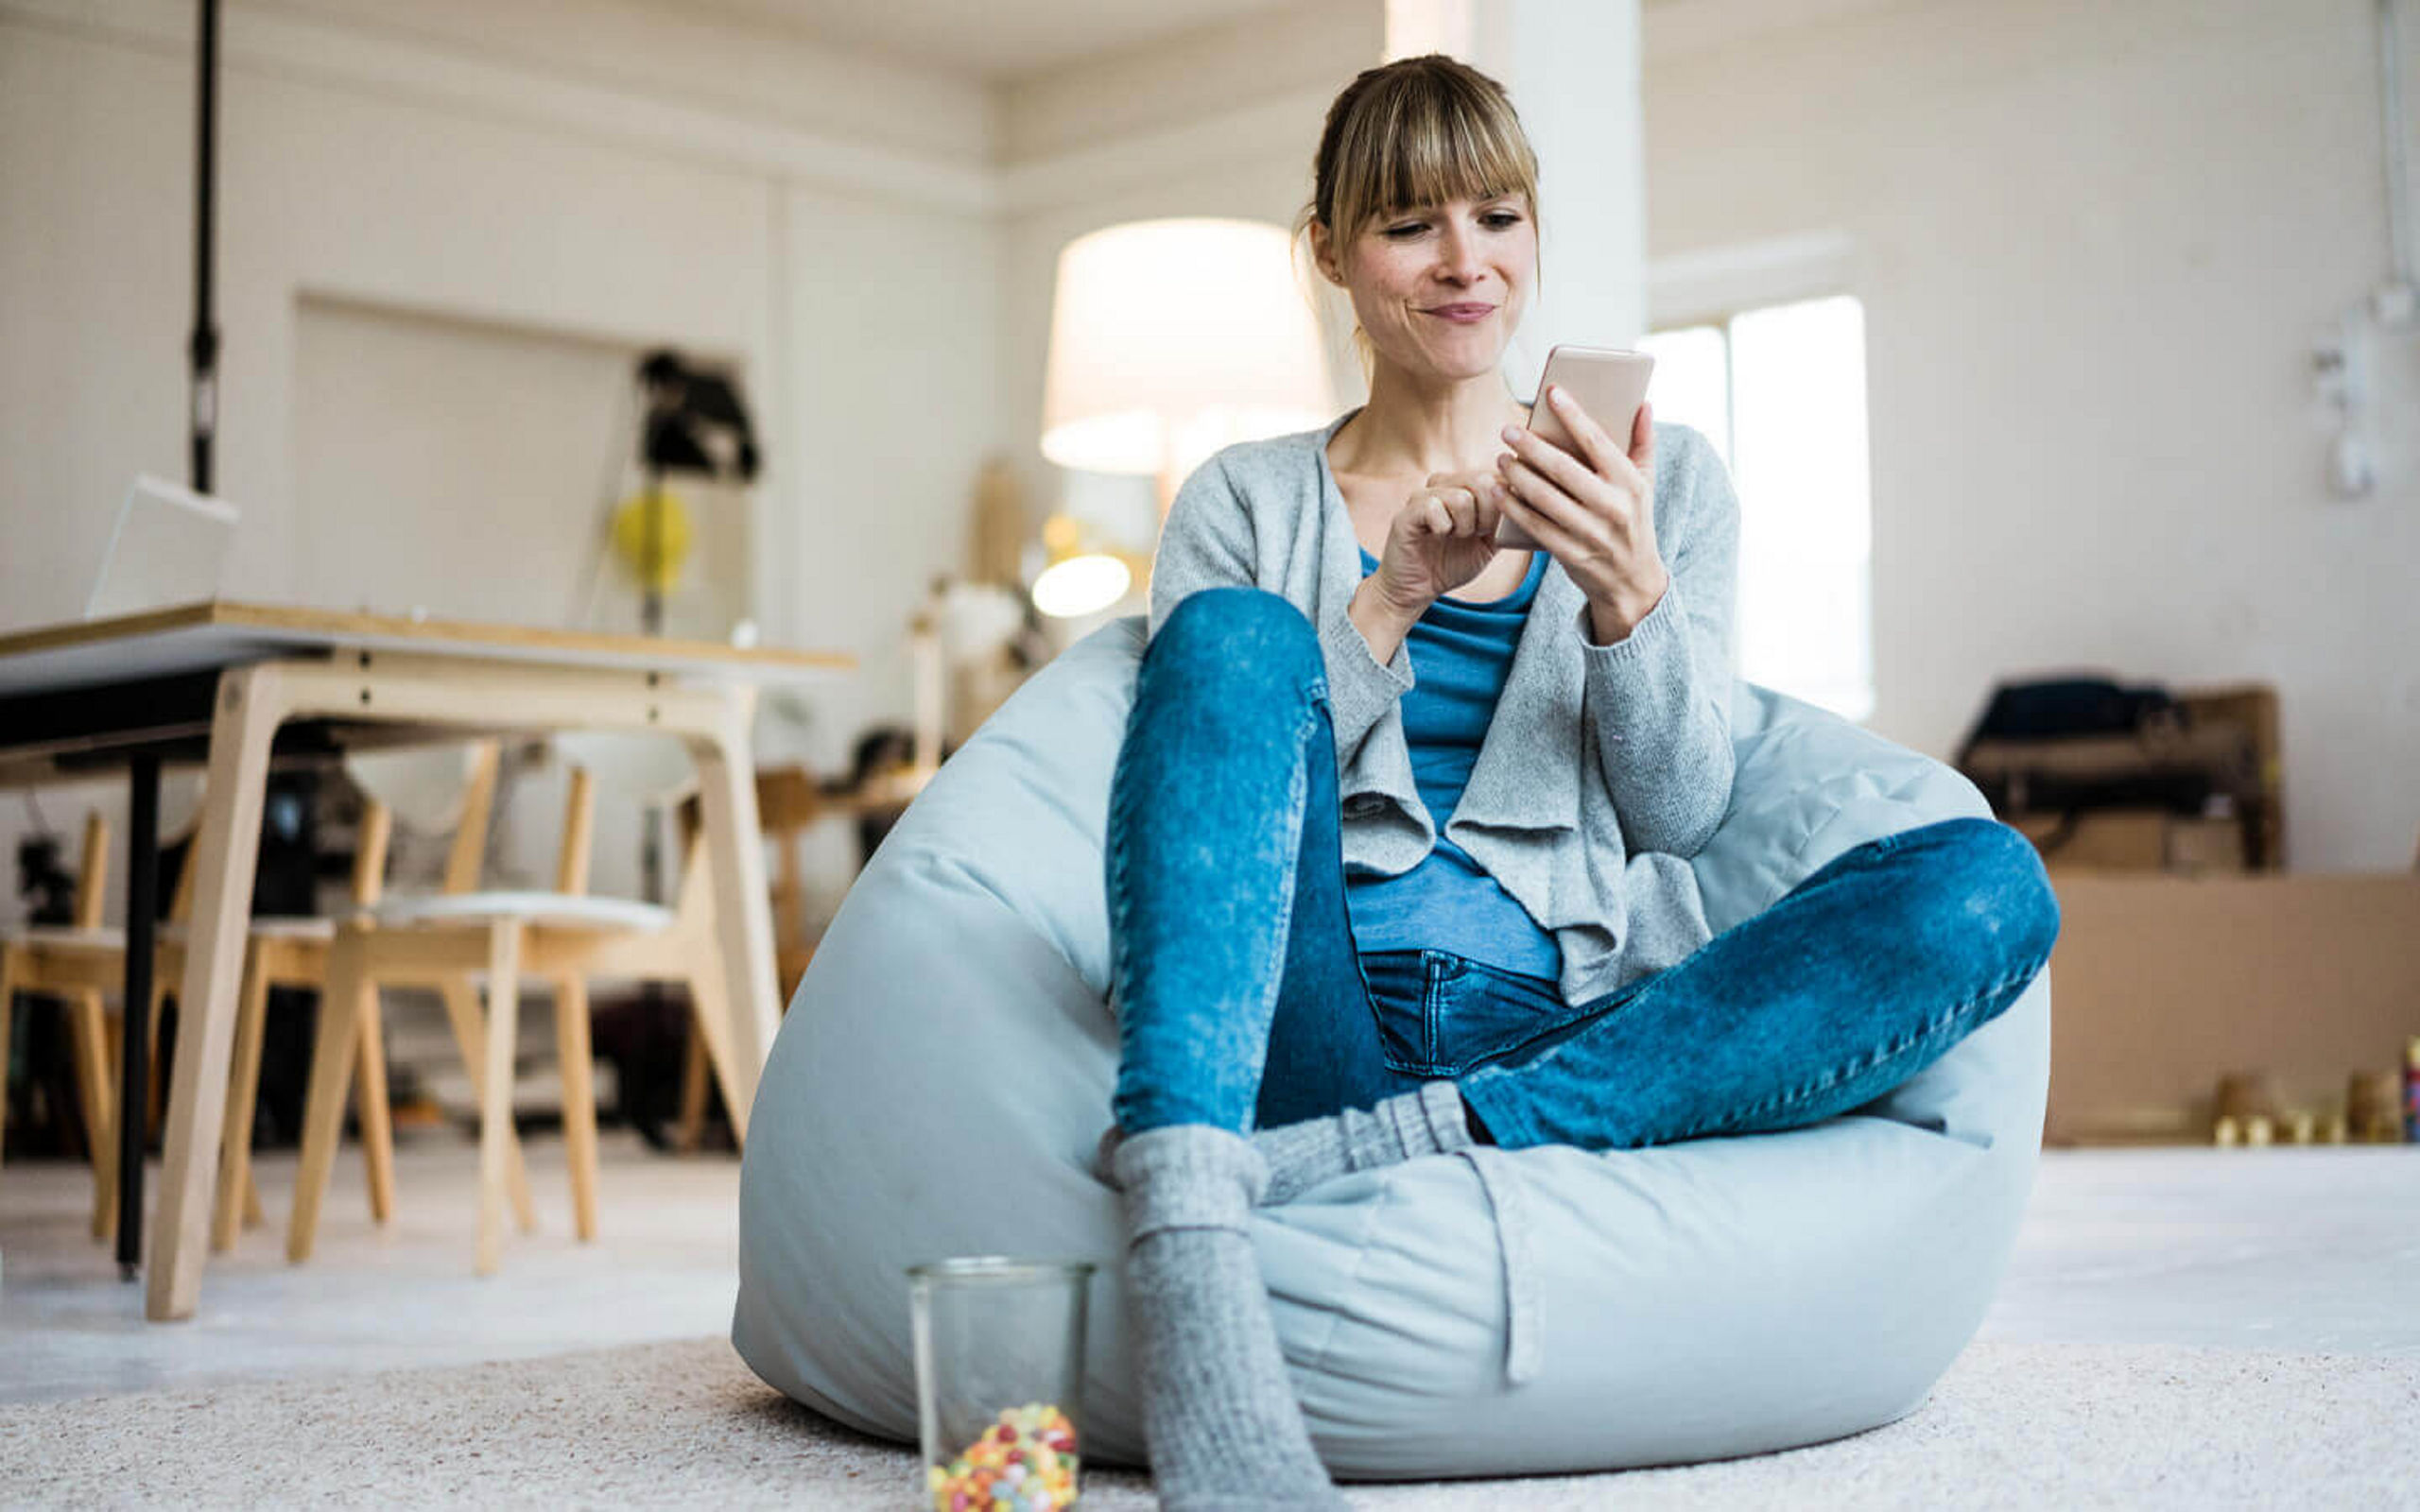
1382 622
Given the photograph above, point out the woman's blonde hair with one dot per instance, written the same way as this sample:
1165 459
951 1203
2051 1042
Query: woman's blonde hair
1416 131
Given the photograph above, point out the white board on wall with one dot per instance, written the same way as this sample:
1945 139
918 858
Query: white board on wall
462 467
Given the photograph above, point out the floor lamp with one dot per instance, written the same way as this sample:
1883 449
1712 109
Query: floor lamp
1169 340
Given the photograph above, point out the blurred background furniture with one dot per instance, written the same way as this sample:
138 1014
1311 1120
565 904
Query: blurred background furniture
2191 780
27 965
791 800
564 936
442 790
82 964
234 682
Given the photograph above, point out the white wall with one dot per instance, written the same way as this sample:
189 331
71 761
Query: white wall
2095 243
649 180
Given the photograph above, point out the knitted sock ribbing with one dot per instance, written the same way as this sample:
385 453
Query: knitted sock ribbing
1218 1410
1431 1120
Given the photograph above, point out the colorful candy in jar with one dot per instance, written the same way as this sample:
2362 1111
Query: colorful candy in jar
1024 1463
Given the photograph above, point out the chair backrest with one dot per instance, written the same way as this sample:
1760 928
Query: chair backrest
429 790
637 767
630 766
91 876
181 796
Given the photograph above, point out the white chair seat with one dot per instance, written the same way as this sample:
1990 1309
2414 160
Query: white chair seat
110 937
66 937
273 926
555 909
294 926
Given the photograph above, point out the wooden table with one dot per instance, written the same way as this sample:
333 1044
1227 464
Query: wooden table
228 684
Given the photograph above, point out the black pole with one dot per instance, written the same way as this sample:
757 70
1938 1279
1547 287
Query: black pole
651 554
652 622
203 348
134 1072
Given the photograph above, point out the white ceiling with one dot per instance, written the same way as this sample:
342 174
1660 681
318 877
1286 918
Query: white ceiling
988 39
995 40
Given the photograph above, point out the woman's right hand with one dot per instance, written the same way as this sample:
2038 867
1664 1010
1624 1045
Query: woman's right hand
1443 537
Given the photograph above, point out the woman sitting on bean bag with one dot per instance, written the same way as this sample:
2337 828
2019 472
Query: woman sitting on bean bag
1398 834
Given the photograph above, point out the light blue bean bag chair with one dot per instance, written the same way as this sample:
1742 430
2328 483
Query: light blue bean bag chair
945 1068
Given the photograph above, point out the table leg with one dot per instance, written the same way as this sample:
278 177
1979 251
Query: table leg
249 705
142 924
743 913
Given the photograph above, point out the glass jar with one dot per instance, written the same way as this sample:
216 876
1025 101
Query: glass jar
1000 1380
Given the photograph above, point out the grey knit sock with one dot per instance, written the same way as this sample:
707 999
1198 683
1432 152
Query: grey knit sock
1300 1156
1219 1412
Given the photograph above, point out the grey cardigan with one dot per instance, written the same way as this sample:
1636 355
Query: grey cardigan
1605 767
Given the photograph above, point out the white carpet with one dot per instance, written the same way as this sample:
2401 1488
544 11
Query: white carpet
2013 1424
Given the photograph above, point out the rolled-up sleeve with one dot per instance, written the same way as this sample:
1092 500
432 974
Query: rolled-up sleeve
1206 541
1359 689
1657 702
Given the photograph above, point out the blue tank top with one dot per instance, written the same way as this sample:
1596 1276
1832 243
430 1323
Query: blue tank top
1461 653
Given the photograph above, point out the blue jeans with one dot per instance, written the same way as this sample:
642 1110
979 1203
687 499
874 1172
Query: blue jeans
1244 1001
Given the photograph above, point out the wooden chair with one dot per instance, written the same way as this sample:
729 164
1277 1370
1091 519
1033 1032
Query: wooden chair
32 961
439 790
86 962
789 801
566 938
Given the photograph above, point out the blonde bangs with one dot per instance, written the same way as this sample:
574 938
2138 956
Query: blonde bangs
1424 135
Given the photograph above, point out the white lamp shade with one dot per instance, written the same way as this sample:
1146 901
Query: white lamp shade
1172 338
1081 585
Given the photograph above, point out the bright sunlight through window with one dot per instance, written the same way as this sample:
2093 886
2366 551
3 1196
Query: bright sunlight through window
1780 391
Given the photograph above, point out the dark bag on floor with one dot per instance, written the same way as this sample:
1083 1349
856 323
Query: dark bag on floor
2052 710
2070 706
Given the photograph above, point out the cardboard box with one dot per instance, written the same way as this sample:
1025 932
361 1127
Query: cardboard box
2101 840
2161 984
2203 846
2136 840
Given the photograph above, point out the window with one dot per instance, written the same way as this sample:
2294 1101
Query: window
1780 391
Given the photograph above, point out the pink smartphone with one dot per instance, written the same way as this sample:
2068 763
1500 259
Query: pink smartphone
1610 385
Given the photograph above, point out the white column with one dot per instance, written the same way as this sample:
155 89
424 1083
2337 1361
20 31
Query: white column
1572 67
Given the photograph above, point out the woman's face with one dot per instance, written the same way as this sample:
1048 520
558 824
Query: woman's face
1409 273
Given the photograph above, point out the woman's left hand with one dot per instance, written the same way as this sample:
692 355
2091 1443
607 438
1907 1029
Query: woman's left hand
1594 513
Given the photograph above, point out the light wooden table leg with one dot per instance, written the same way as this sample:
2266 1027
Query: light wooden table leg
332 1062
235 1145
743 913
470 1034
376 1112
496 1098
572 1053
249 709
